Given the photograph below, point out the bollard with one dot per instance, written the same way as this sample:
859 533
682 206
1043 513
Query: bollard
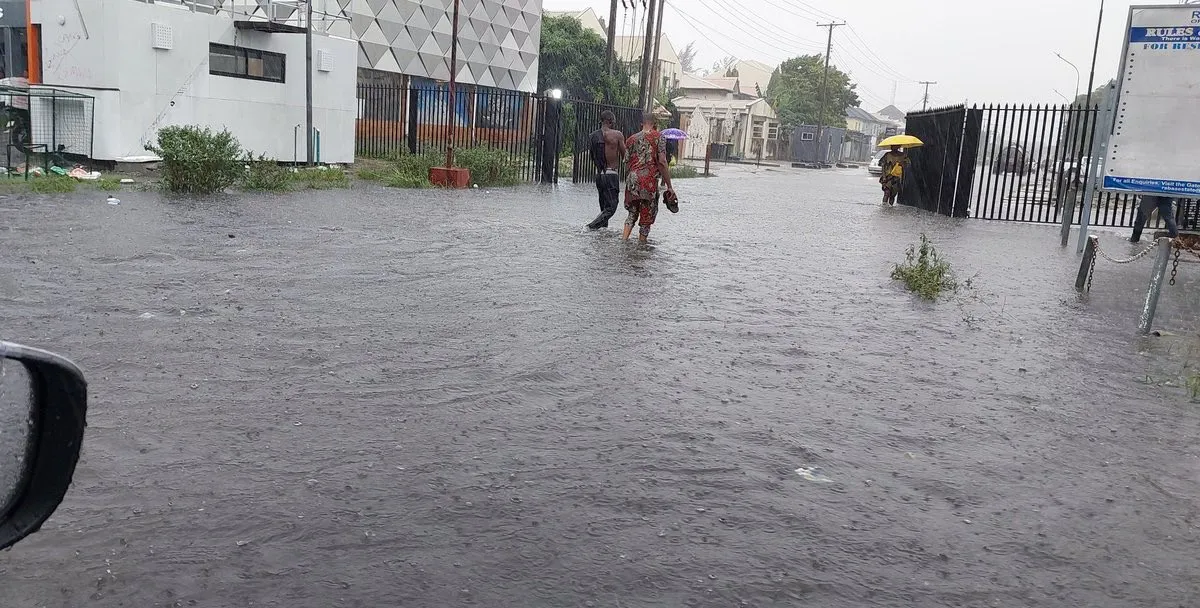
1085 265
1068 216
707 160
1156 281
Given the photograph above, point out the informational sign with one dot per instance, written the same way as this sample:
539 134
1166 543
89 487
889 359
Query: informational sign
1155 142
12 13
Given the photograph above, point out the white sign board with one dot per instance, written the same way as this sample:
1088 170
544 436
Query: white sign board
1155 142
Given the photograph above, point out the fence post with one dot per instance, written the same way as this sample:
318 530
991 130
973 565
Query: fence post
550 136
1155 289
1068 216
414 101
1096 162
708 160
1085 265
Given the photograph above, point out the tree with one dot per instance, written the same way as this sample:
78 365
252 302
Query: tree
574 60
687 58
795 93
724 68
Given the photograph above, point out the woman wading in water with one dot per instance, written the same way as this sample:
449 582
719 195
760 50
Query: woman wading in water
894 163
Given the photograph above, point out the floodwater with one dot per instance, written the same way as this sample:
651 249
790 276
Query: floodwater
389 398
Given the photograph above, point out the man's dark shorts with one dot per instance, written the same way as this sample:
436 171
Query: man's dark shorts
609 186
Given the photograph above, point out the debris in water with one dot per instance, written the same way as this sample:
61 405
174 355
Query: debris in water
146 315
112 200
242 543
811 474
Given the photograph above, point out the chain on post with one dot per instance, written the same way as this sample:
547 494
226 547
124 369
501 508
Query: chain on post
1091 271
1175 265
1141 254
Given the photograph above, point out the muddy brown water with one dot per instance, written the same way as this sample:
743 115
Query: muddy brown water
384 398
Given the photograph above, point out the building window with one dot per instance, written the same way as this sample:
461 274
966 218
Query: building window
808 136
239 62
758 130
772 130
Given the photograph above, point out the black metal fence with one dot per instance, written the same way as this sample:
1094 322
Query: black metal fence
941 177
45 126
416 118
1015 163
582 118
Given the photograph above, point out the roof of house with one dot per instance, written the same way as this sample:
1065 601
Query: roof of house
709 84
863 115
892 112
688 104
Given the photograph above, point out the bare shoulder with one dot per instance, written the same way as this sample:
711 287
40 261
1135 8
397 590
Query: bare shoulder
613 136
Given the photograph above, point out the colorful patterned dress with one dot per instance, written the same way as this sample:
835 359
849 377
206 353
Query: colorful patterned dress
641 183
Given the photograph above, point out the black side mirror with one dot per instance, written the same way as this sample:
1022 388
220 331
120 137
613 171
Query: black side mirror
43 408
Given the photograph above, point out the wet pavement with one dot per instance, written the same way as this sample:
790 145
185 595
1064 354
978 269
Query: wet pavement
388 398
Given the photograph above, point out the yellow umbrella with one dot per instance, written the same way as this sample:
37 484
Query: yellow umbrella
904 141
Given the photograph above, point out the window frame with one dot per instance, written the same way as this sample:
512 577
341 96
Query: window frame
243 56
808 136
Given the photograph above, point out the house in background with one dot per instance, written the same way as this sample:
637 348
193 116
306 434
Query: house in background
873 128
586 17
893 114
741 125
670 71
754 75
149 65
806 149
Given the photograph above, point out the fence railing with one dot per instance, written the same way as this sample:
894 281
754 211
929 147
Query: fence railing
581 119
417 119
1017 163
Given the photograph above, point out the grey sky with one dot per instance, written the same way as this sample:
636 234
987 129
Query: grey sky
981 52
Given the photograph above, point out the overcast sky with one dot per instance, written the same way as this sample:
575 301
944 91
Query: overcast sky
981 52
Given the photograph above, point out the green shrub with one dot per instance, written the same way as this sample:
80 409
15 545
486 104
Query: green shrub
412 170
924 272
1193 385
488 166
320 178
684 172
52 184
108 184
198 160
265 174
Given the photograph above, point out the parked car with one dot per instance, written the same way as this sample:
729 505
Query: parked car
873 167
1012 159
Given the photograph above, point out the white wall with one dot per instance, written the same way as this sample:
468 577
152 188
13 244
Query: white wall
105 49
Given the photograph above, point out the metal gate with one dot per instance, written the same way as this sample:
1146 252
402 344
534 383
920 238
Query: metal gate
941 175
581 119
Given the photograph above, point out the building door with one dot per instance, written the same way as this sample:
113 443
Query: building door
13 63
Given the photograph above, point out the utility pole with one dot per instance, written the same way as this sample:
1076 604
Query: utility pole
612 35
308 80
825 83
655 77
925 100
647 49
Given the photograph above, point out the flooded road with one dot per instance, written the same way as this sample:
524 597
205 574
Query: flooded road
386 398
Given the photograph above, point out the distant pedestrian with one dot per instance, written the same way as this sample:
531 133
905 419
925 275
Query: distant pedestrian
894 163
607 150
646 164
1166 211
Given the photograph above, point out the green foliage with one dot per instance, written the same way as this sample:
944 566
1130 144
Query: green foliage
52 184
795 93
687 58
1193 385
684 172
924 272
265 175
198 160
108 184
573 59
319 178
488 166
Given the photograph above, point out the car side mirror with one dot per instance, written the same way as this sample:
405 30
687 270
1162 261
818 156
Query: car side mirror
43 408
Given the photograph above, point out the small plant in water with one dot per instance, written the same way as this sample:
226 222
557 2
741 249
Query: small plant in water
1193 385
924 272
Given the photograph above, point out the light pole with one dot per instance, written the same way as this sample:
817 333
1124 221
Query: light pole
308 80
1056 92
1077 75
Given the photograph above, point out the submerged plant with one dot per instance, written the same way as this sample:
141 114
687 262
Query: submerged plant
924 272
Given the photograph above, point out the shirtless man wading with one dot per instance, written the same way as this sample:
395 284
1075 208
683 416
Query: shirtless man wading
607 150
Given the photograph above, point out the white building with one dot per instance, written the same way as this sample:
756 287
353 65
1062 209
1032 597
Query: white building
240 64
743 123
154 64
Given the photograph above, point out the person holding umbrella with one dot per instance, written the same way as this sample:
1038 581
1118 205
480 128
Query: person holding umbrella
894 163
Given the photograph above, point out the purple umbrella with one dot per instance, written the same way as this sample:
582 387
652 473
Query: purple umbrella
674 134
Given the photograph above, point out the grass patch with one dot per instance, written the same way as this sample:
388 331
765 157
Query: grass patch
685 172
265 175
108 184
489 167
924 272
1193 385
320 178
54 184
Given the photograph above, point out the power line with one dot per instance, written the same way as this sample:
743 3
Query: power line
775 37
695 26
883 63
808 8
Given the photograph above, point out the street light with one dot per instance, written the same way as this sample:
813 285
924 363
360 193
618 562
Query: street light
1056 92
1074 67
556 94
